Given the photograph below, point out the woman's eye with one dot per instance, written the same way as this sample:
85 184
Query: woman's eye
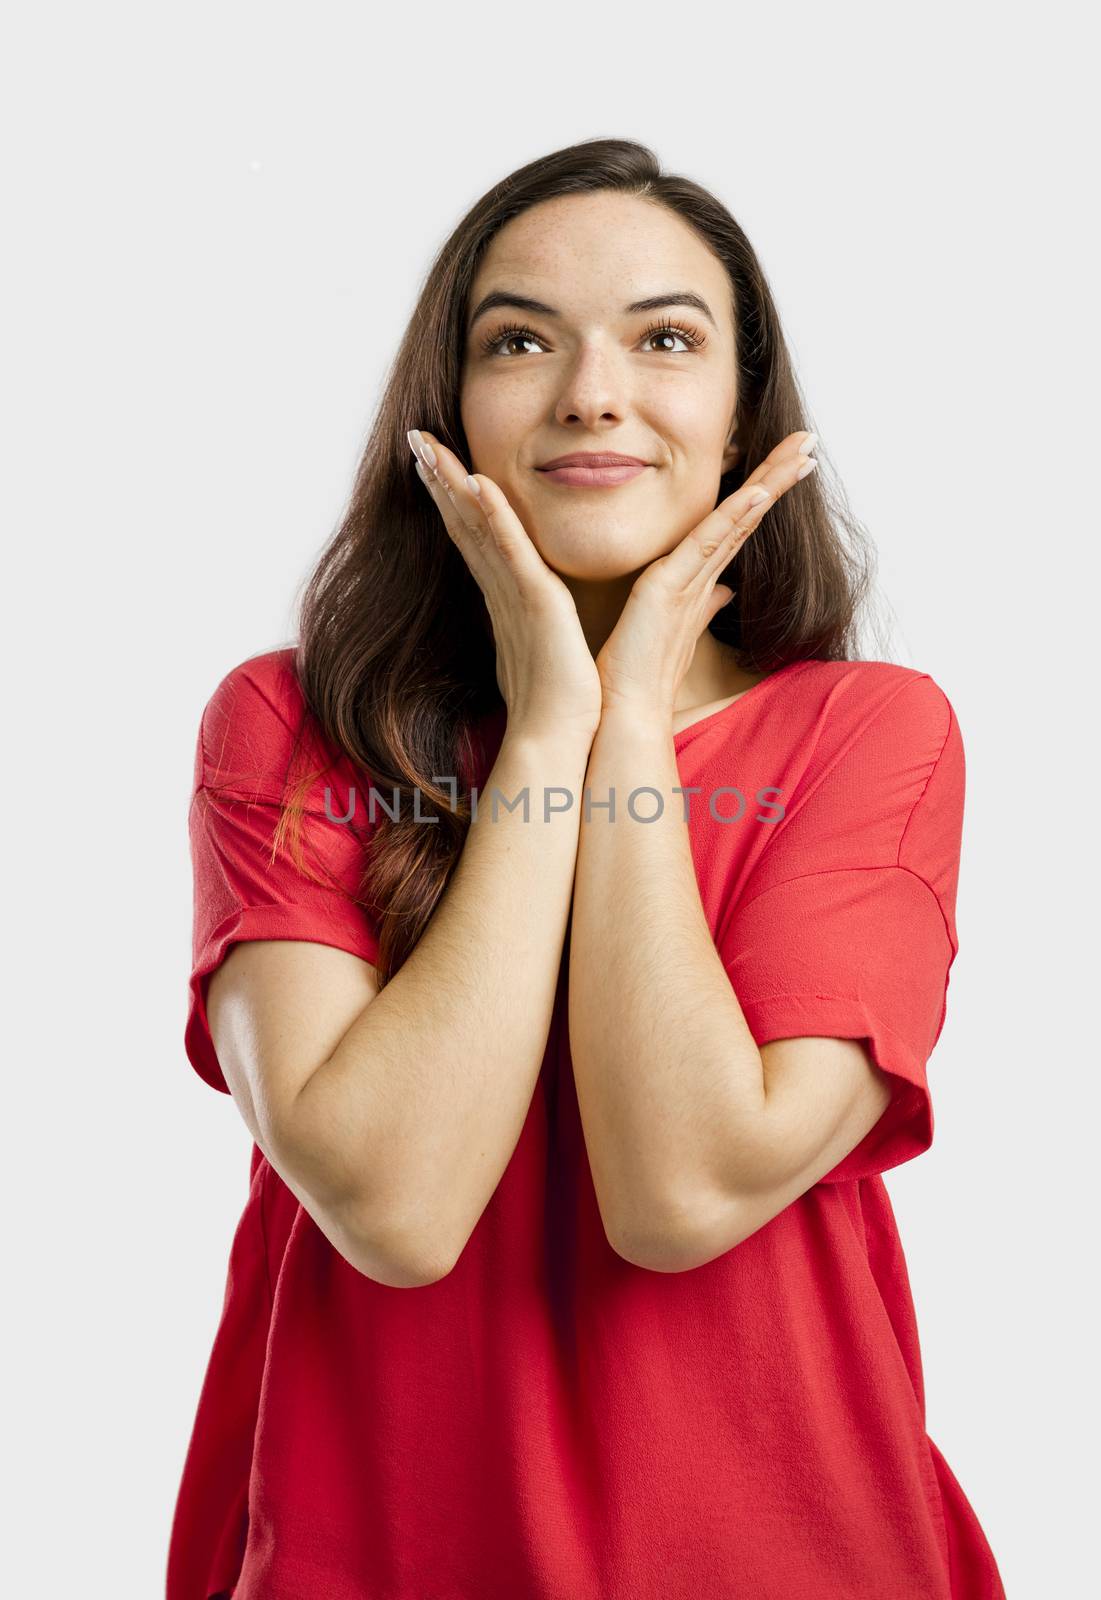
668 333
497 343
508 338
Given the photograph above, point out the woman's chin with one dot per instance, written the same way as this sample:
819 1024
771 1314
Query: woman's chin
608 561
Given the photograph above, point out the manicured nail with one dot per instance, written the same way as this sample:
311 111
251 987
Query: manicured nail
758 496
428 455
808 466
808 444
473 485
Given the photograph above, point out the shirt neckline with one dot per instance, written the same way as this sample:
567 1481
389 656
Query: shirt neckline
495 719
684 736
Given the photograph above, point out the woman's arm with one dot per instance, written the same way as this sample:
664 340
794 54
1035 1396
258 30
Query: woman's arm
695 1137
397 1140
423 1100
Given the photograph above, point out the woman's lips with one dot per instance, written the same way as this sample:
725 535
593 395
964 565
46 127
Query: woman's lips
592 477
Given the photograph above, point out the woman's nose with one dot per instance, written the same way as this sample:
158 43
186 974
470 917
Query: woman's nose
595 386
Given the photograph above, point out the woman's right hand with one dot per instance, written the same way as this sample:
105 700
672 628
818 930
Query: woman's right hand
545 669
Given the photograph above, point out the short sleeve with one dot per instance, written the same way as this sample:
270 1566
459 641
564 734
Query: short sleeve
848 930
244 887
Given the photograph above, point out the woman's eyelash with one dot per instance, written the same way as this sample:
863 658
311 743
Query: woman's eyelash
692 336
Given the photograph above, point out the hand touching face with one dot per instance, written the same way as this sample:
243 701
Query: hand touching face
588 374
645 657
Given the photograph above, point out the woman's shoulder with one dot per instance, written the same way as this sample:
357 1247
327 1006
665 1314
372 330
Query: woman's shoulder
250 724
876 775
896 699
262 687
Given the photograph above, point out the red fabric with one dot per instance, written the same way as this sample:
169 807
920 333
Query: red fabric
549 1421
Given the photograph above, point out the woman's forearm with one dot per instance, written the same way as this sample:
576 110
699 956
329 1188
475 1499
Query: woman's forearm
427 1092
668 1075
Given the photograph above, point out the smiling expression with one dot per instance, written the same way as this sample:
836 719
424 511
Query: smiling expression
633 353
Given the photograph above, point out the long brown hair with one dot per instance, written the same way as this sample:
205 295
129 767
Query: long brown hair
395 653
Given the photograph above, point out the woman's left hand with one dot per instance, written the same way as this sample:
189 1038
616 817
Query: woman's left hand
645 657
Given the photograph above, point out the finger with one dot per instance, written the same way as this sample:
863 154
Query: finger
720 596
458 508
793 447
485 519
710 546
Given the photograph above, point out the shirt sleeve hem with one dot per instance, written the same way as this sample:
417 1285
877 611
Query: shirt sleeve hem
905 1128
305 923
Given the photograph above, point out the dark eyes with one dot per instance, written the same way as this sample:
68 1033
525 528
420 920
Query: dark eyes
692 337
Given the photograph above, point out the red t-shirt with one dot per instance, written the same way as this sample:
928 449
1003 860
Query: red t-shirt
549 1421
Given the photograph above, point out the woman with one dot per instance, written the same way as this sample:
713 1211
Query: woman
567 1268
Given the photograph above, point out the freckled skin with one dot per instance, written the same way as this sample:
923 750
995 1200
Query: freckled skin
595 380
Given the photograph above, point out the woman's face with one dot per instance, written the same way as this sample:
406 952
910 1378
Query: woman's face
590 377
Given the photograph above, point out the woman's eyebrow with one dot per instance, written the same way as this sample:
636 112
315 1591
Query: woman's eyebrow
655 302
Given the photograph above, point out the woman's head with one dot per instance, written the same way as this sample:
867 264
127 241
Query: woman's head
395 652
621 360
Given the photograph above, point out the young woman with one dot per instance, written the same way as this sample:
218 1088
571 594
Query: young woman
567 1270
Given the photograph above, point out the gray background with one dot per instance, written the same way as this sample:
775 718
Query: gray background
218 219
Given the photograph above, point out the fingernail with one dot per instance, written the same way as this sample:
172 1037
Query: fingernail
420 444
808 466
808 444
473 485
758 496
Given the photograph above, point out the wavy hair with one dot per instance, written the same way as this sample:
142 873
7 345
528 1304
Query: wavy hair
395 654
